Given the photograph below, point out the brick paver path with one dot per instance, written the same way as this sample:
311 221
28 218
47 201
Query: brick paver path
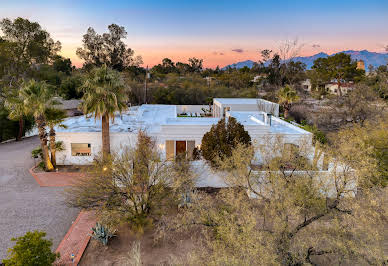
54 179
76 239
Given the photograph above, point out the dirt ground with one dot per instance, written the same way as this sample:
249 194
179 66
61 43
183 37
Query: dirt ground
119 249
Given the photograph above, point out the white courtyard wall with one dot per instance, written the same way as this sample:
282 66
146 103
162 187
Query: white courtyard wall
190 108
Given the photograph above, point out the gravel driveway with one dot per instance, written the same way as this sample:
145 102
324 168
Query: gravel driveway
24 205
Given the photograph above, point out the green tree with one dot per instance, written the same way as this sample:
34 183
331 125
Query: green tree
30 44
24 44
16 110
108 49
222 138
339 67
61 64
195 64
37 98
104 94
69 88
54 117
31 249
287 96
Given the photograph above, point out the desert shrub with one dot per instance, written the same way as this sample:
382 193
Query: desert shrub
37 153
132 187
196 154
31 249
318 135
103 233
300 113
222 139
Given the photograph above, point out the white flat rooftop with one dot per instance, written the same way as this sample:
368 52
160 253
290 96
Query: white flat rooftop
152 117
278 125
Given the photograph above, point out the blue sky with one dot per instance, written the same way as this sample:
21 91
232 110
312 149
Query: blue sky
213 29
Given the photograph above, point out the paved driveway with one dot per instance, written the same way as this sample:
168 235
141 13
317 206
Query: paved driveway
24 205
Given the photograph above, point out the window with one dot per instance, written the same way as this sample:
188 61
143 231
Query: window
175 147
81 149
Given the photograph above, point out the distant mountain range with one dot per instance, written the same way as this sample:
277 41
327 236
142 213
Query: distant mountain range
370 58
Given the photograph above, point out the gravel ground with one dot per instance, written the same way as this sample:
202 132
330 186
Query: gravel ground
24 205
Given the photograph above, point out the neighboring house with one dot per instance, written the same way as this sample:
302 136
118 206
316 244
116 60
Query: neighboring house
332 87
209 80
70 106
306 85
258 78
173 134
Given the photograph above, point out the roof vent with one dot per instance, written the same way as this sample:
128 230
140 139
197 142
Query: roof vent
269 119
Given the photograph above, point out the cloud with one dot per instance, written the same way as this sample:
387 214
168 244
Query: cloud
316 46
223 53
238 50
218 53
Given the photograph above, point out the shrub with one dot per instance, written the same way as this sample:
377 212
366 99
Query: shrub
31 249
37 153
300 113
102 233
222 139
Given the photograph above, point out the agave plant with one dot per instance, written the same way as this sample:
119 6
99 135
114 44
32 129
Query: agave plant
102 233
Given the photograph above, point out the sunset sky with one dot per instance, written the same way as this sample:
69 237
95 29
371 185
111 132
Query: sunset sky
220 32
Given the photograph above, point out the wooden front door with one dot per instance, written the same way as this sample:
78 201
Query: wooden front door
180 147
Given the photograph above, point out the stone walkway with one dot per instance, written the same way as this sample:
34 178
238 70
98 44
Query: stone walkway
77 238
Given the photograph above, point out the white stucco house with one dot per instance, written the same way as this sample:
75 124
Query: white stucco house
332 87
173 132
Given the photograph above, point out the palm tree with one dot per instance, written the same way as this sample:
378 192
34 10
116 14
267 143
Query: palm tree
287 96
104 94
15 107
37 97
54 117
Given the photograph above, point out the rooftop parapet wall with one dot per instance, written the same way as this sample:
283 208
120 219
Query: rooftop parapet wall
246 104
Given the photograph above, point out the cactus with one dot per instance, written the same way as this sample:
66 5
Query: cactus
102 233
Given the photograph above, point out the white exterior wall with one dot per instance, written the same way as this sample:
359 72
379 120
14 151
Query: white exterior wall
190 108
117 141
333 89
169 132
269 107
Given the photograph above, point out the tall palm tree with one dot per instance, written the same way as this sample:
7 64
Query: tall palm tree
15 106
104 94
37 97
287 96
54 117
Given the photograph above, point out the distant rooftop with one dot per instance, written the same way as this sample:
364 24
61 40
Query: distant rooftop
67 104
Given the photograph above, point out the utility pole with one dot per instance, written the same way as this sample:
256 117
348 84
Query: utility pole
147 76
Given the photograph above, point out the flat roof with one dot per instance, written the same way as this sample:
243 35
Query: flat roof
248 118
151 117
256 118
